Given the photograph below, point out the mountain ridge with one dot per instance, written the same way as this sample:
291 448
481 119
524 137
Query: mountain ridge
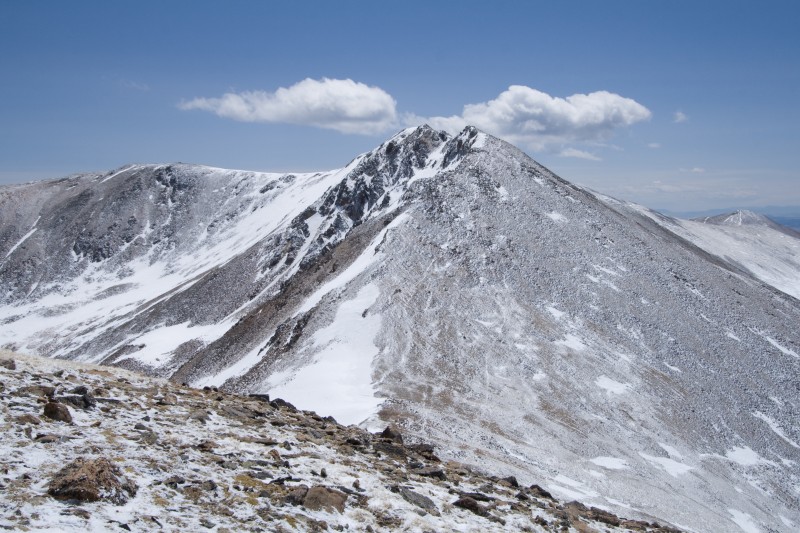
455 287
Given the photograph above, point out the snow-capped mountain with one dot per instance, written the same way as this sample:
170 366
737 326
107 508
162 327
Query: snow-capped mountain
752 242
450 285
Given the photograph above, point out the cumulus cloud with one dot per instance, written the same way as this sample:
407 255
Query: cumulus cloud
679 116
580 154
346 106
536 119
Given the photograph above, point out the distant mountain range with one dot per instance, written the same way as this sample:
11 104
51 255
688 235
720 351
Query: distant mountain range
785 215
454 287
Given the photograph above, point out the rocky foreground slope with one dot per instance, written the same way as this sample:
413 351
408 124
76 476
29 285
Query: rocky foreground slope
103 449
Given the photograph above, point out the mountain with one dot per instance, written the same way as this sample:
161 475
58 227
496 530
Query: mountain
744 217
103 449
450 286
787 216
752 242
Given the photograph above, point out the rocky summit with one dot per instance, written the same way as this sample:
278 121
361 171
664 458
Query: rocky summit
453 288
150 455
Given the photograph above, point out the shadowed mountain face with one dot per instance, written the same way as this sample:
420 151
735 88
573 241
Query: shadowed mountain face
452 286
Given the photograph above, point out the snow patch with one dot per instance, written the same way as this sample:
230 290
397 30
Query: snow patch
611 386
671 450
743 456
783 349
556 217
673 468
611 463
115 174
339 381
23 239
573 342
744 521
159 343
773 425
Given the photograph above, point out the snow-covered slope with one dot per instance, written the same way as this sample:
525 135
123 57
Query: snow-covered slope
452 286
747 240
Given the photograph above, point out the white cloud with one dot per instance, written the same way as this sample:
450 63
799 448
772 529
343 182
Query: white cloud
580 154
527 116
679 116
654 145
693 170
346 106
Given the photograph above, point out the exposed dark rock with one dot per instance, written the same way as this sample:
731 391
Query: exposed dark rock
28 419
206 446
471 505
77 511
46 438
430 471
8 364
478 496
423 502
389 448
511 481
393 434
174 481
91 480
37 390
260 397
279 403
57 411
84 401
319 498
199 415
297 495
168 399
539 492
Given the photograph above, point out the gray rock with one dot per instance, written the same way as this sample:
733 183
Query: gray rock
423 502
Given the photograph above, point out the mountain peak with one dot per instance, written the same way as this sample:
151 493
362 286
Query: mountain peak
740 217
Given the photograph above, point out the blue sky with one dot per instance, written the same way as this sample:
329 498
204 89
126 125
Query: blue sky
687 105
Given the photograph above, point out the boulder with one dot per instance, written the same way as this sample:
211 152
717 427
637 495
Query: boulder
319 498
393 434
91 480
58 411
470 504
423 502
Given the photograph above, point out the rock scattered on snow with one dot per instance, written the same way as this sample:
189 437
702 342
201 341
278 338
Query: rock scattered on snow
235 469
